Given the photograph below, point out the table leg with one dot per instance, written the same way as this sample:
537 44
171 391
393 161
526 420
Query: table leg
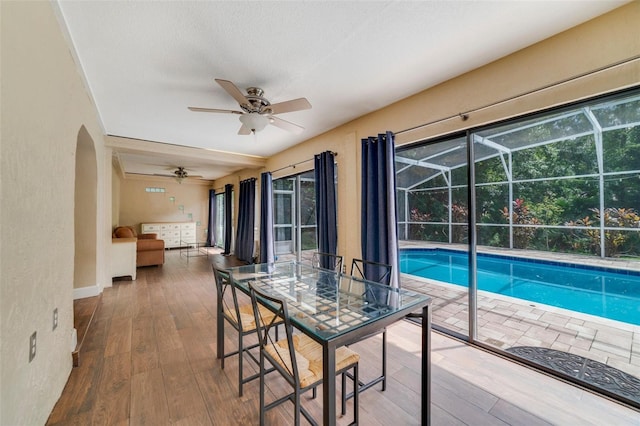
426 365
329 384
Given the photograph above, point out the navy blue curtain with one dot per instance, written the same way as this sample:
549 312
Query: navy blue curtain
267 242
227 218
211 225
379 231
326 216
246 220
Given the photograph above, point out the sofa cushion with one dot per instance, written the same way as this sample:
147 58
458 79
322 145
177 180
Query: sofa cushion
124 232
146 245
149 236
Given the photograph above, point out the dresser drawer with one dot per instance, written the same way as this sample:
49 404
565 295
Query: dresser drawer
151 228
172 242
171 227
170 233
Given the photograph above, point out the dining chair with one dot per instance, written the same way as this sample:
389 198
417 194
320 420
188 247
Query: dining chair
327 261
241 317
380 273
298 358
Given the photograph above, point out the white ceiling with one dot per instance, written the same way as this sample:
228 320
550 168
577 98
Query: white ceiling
145 62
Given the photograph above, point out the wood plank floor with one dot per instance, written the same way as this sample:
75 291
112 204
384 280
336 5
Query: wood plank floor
149 359
83 313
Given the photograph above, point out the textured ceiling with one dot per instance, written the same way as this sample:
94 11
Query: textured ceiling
146 62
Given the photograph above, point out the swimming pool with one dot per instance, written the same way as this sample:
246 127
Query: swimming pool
608 293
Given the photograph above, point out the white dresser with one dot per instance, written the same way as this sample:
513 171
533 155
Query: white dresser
174 234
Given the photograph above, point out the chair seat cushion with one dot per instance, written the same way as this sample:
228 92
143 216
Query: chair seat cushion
247 318
281 353
308 355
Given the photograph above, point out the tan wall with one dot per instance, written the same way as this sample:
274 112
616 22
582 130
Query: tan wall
44 107
138 206
598 43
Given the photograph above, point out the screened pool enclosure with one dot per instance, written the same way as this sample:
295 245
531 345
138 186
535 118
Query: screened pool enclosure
564 182
561 187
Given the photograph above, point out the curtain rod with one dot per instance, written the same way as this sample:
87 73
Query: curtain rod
335 154
465 115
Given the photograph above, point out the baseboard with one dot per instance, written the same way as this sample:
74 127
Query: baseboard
83 292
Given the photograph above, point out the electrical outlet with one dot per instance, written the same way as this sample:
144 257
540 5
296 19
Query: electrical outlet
55 318
32 347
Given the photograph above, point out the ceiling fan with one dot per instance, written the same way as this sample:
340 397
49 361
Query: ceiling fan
257 111
179 174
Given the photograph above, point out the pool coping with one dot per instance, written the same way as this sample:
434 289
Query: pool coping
575 264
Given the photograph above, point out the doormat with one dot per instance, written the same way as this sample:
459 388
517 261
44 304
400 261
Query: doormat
585 369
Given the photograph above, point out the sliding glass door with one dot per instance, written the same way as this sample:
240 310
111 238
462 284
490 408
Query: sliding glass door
219 225
550 273
432 199
294 216
220 221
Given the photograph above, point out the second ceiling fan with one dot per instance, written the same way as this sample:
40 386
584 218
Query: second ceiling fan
257 112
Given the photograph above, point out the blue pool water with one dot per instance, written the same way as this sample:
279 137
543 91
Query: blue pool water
604 292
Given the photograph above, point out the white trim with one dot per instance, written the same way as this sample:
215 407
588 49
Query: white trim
84 292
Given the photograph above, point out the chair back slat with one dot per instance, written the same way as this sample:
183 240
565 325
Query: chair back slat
224 284
371 271
279 308
328 261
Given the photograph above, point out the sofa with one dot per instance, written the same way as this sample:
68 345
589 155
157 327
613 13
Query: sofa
149 249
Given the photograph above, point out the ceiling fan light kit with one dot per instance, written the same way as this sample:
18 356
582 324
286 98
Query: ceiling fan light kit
257 112
181 174
254 121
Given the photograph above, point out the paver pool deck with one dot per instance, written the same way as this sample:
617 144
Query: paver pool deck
506 322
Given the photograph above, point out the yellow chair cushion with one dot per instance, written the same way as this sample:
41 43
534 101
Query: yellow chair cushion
247 317
308 355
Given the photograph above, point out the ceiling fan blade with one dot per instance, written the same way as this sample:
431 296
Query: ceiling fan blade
290 106
233 90
244 130
225 111
286 125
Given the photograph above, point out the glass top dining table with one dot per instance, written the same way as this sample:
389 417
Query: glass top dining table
336 310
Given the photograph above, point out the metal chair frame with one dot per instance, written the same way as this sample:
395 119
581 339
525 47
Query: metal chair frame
223 285
381 273
292 376
330 259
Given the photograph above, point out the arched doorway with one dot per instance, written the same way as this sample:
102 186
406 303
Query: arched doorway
86 284
86 184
